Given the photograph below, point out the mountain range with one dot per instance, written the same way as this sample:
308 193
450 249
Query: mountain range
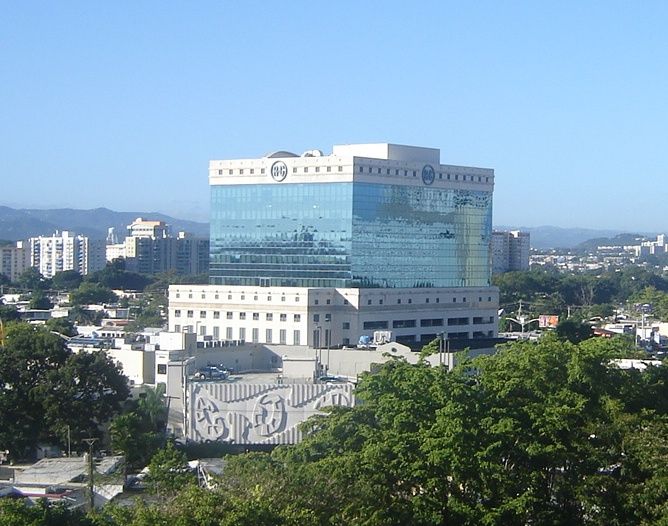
16 224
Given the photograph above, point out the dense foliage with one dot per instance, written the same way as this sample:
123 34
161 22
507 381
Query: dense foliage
45 389
583 295
540 433
139 431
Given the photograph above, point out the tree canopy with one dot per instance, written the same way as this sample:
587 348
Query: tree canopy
89 293
551 433
44 388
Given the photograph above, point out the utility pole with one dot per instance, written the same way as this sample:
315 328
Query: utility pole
91 469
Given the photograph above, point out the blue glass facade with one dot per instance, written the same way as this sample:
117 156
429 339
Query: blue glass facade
349 235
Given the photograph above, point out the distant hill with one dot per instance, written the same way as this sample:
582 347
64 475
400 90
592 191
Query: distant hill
619 240
556 237
16 224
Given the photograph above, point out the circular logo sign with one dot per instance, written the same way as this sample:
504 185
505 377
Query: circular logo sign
428 174
279 171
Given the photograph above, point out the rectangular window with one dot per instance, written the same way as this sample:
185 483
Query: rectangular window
230 315
202 330
189 314
283 317
228 333
216 315
328 317
297 317
162 368
431 322
216 333
296 338
177 313
177 328
402 324
374 325
346 341
242 334
202 314
346 325
256 316
268 335
282 298
458 321
242 315
256 335
316 317
269 316
283 337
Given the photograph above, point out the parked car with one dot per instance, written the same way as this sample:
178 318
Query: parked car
210 372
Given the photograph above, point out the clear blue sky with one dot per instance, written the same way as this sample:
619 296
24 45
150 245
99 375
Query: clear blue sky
122 104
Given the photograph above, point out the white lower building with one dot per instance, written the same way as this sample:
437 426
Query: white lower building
332 317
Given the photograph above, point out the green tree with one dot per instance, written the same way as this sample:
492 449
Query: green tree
29 354
114 276
86 391
66 280
44 388
169 472
31 279
62 326
39 300
148 311
18 512
90 293
9 313
83 316
574 331
140 430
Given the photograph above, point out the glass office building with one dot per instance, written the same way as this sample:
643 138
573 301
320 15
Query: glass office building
361 232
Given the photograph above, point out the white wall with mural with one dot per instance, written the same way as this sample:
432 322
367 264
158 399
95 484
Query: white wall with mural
245 413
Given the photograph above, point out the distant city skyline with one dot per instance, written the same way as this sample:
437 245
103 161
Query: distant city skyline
122 105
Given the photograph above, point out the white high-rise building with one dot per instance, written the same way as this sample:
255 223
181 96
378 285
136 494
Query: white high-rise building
66 251
325 250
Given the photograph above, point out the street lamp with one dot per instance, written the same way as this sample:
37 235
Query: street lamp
523 321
